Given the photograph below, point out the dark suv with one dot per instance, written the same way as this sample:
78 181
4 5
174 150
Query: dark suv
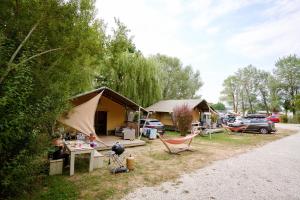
262 126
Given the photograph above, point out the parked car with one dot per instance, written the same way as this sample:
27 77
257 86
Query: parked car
255 116
153 123
239 121
274 118
228 119
262 126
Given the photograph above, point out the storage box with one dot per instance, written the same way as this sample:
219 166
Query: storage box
56 167
129 134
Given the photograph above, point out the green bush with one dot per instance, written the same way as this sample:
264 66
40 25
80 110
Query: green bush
34 92
295 119
283 119
21 172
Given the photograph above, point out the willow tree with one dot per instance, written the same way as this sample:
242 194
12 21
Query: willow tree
126 70
178 81
135 77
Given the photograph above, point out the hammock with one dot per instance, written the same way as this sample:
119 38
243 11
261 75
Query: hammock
235 128
180 140
177 141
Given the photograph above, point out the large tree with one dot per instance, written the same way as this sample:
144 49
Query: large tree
127 71
219 106
48 52
263 81
287 72
231 92
246 77
249 89
178 81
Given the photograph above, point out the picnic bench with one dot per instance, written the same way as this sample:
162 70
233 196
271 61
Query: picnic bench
79 147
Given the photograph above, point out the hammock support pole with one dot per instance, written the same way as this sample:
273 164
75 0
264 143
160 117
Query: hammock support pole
176 142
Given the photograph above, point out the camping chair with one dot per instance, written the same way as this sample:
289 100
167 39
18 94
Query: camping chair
178 141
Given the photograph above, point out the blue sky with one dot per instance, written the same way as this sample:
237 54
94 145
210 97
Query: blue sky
215 37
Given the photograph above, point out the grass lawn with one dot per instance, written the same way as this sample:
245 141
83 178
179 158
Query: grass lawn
153 166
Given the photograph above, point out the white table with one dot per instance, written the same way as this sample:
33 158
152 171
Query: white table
79 147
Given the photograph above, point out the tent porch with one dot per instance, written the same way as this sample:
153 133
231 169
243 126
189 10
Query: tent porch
111 140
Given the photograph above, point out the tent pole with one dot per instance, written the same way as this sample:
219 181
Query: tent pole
139 119
144 125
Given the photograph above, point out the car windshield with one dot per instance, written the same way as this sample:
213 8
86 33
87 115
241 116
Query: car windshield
238 118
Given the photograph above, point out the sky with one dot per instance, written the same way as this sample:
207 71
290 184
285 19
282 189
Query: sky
215 37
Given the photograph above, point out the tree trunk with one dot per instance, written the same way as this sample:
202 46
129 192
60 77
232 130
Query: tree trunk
237 101
249 100
293 102
243 105
265 102
233 102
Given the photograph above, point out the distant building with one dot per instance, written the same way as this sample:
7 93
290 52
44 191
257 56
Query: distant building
163 110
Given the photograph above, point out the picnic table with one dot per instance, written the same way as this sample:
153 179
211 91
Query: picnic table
79 147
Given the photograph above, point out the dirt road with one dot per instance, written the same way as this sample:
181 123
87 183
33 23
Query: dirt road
268 172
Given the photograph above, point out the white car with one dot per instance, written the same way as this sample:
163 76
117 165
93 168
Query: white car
239 121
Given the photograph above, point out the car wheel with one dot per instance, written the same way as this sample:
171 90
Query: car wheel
263 131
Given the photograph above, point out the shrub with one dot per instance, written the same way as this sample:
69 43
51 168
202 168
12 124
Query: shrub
283 118
183 117
214 118
34 87
295 119
24 170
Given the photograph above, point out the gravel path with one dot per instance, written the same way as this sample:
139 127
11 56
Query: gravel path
269 172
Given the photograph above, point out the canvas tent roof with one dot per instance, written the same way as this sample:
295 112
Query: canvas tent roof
169 105
108 93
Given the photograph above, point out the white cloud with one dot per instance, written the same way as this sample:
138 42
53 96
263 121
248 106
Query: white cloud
193 31
209 11
155 30
277 36
282 7
212 30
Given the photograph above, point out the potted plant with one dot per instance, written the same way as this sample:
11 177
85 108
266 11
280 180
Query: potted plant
214 119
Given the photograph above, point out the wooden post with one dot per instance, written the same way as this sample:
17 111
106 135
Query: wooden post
144 124
72 163
91 167
139 119
163 141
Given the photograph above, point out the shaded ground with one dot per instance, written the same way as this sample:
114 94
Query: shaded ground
153 166
269 172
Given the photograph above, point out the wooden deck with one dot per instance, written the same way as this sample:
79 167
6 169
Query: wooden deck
111 140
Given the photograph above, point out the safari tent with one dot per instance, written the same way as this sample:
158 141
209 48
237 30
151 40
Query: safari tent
163 110
100 111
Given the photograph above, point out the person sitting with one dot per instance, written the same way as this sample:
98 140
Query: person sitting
60 154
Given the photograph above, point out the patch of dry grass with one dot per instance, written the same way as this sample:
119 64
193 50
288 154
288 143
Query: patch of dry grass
154 165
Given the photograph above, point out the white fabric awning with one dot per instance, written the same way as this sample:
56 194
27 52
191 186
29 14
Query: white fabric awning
82 117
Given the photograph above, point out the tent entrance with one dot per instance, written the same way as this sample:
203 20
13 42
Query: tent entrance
101 123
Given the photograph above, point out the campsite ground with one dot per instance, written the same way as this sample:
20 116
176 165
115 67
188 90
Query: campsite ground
153 166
